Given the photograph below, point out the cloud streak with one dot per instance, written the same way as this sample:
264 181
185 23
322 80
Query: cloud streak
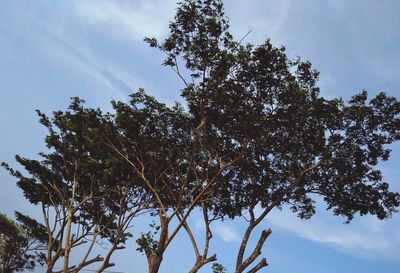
131 20
226 232
365 237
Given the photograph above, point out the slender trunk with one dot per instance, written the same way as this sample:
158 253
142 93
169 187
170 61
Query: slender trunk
243 246
67 241
50 242
154 263
154 259
195 268
49 268
242 265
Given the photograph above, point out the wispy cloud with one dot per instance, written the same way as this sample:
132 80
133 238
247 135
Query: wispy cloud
71 43
226 232
127 19
73 55
365 236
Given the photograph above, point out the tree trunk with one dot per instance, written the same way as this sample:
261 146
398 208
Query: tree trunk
49 268
154 263
67 241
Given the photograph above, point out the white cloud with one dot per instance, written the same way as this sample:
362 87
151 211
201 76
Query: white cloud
72 55
66 42
199 223
365 236
127 19
226 232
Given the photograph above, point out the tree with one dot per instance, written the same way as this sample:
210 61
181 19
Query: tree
297 144
21 244
160 145
84 193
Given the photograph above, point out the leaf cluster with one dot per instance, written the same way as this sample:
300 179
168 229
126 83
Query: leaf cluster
21 244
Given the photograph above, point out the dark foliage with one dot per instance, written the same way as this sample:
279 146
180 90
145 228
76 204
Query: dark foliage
21 244
296 143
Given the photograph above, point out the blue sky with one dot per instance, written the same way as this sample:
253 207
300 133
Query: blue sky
53 50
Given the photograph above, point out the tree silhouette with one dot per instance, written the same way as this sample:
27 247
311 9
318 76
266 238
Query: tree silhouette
21 244
85 194
295 144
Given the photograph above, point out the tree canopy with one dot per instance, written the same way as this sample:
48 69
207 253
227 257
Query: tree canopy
21 244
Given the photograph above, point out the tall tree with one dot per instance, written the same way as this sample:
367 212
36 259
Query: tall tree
85 193
295 143
21 244
162 146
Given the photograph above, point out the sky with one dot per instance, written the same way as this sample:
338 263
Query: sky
53 50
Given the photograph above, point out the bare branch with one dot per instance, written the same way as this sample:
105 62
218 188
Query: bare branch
263 263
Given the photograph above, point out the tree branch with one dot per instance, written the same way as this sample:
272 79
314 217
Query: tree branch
260 265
